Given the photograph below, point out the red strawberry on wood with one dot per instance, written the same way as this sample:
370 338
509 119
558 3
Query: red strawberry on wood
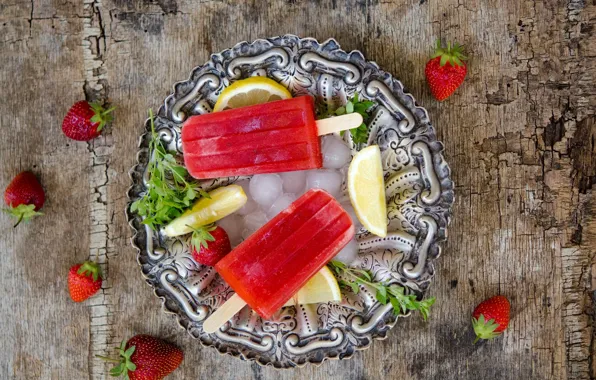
85 121
491 317
144 357
84 280
24 196
446 71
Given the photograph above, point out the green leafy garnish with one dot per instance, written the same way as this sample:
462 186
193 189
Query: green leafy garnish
169 192
201 235
393 294
359 134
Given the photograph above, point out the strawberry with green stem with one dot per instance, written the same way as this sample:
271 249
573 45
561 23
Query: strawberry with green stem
491 317
145 357
84 280
446 70
209 244
85 121
24 196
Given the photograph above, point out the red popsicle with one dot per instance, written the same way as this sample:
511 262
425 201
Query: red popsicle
266 138
268 268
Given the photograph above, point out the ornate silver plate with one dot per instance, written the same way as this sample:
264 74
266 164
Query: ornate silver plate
419 196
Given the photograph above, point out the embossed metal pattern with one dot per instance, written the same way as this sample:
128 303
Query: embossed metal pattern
419 198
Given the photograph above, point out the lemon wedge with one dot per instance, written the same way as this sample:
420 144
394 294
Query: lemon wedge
366 189
249 92
222 202
322 287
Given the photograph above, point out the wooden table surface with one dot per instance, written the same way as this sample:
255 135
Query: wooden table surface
519 136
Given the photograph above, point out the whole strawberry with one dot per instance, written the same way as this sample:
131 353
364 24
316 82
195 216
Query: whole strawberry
491 317
212 242
24 196
84 121
144 357
84 280
446 71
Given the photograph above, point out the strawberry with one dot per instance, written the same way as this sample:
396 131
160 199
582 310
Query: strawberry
210 253
84 121
491 317
446 71
25 196
84 280
144 357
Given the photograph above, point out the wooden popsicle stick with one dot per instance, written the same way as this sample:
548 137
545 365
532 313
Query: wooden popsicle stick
339 123
223 314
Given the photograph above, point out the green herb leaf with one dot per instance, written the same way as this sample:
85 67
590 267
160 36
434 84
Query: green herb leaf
395 294
360 134
382 295
169 191
349 107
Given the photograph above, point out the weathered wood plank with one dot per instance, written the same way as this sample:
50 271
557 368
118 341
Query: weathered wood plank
44 334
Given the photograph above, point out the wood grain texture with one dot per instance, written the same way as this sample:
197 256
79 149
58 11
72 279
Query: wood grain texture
519 137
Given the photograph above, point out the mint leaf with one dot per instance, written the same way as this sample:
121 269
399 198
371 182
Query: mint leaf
169 191
394 294
360 134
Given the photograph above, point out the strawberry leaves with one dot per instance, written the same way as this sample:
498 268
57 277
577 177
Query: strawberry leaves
200 236
385 293
452 54
101 115
90 269
169 192
125 363
484 329
22 212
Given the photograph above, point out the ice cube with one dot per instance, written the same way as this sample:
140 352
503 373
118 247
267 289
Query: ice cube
294 182
335 152
349 253
280 204
328 180
250 204
252 222
347 205
233 225
265 189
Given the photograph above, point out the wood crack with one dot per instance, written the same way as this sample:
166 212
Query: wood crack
102 309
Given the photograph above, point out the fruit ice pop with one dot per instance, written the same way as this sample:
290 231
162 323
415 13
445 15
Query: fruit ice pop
266 138
268 268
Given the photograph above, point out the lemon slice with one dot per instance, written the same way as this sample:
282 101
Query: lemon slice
222 202
249 92
322 287
366 188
